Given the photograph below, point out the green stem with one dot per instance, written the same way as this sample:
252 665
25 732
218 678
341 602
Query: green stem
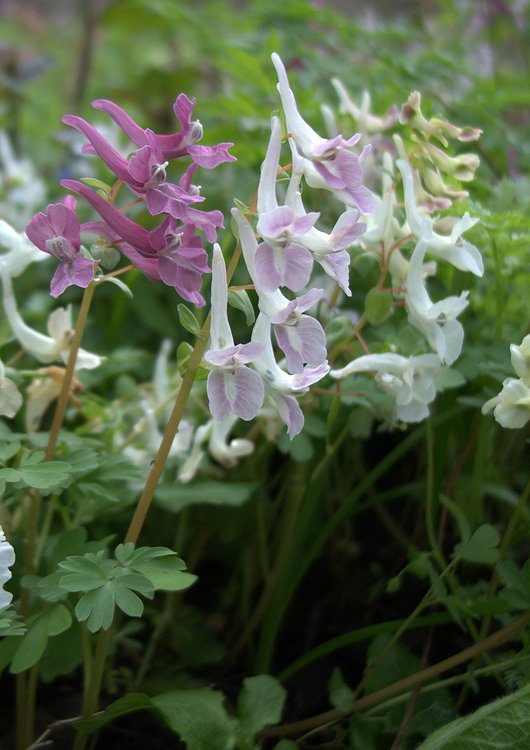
157 468
64 395
430 522
91 697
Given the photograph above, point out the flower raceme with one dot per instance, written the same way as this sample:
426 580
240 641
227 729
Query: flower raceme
173 252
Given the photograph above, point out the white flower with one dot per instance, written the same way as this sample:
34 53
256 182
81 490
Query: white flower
452 248
410 380
16 251
225 452
367 122
10 396
521 359
25 192
437 321
511 408
46 348
7 559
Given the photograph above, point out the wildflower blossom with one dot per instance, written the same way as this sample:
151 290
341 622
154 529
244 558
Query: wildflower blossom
281 260
300 336
10 396
182 143
281 386
45 348
57 232
7 559
171 253
409 380
453 248
511 407
21 189
436 320
329 163
232 387
16 251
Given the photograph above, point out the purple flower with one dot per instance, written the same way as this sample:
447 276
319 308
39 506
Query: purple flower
281 260
175 144
170 253
57 232
232 387
144 173
301 337
329 163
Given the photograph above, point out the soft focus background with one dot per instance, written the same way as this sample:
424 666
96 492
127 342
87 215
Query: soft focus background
360 520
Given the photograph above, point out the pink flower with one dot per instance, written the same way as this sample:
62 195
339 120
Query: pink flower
170 253
57 232
172 145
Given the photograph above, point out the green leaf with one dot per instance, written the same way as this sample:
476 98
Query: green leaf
241 301
340 694
207 492
482 546
43 476
166 575
10 475
188 320
377 305
126 705
32 645
59 619
127 601
504 723
8 450
449 378
103 189
198 717
260 703
184 351
120 284
97 607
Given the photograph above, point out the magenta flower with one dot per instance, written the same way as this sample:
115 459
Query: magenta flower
176 144
170 253
144 173
58 233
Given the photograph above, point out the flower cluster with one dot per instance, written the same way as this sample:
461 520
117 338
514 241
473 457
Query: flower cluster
280 253
430 182
173 252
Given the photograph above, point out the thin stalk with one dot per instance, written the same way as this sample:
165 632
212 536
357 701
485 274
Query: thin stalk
157 468
91 697
430 522
404 685
64 395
